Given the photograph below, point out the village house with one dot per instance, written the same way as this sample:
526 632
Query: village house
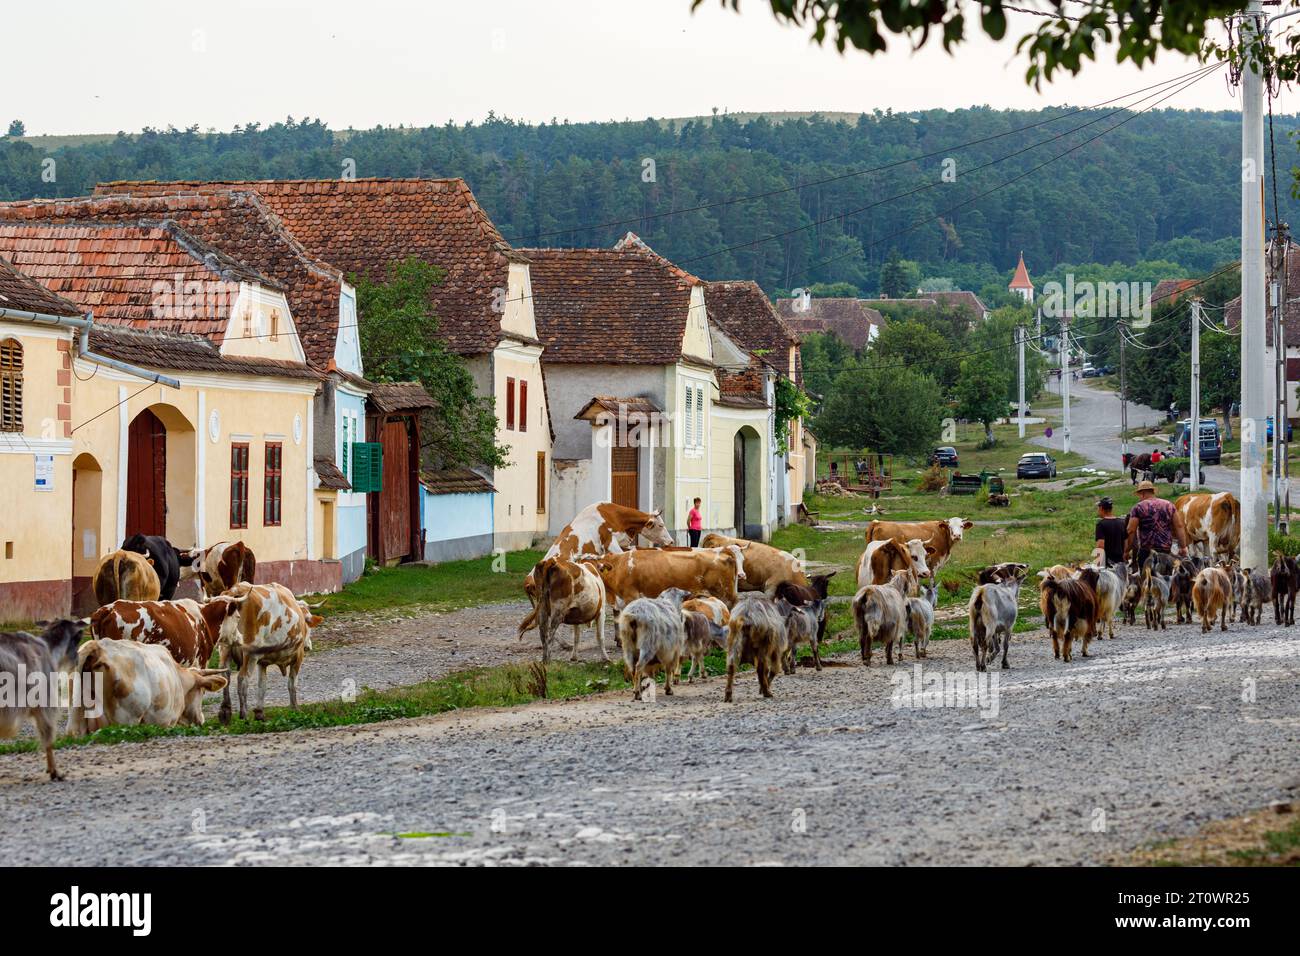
323 304
676 426
1290 327
849 320
182 410
484 305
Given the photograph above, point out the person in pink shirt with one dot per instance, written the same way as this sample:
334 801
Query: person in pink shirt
695 524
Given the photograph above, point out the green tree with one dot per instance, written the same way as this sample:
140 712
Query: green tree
1138 29
885 409
16 129
399 342
913 343
982 392
894 279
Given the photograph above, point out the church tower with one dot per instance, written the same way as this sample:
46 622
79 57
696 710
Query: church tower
1020 283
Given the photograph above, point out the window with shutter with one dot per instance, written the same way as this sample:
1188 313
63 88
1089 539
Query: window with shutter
699 417
541 482
11 386
367 466
271 485
510 404
688 432
239 485
345 452
523 404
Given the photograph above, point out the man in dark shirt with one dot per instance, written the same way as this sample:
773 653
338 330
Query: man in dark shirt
1154 525
1110 532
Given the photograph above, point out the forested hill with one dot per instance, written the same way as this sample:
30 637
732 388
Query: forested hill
1160 176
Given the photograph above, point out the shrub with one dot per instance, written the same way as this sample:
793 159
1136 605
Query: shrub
933 479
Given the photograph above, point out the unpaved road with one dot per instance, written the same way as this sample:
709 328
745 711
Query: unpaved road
1145 740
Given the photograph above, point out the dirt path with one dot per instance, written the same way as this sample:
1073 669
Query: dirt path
1149 738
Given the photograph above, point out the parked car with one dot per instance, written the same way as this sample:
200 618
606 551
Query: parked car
945 457
1036 464
1091 371
1211 441
1270 429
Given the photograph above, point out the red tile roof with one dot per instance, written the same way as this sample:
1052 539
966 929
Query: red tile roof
742 310
1167 291
625 305
238 223
24 294
847 319
1021 279
111 270
962 298
361 225
177 352
1290 301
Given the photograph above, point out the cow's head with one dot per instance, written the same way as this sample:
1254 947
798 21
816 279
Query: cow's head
958 525
197 682
189 561
738 551
655 531
917 555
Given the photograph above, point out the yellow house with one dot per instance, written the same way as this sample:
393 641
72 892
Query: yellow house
167 393
484 305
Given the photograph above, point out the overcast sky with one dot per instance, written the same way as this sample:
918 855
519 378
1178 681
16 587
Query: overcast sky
90 66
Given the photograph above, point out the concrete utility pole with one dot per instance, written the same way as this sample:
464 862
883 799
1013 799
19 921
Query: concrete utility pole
1254 380
1194 438
1065 382
1123 397
1279 379
1020 341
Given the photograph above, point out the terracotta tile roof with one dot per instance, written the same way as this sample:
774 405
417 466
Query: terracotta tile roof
111 269
625 305
742 400
399 396
236 222
1167 291
961 298
17 291
361 225
616 406
1290 302
850 320
329 474
743 311
178 352
1021 279
455 481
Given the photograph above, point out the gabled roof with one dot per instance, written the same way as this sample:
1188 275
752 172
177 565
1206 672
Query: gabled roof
743 311
24 294
614 405
961 298
399 396
362 225
238 223
849 320
180 352
112 268
1021 279
455 481
621 306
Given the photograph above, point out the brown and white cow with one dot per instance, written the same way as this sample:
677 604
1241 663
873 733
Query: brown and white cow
595 531
882 558
938 537
648 572
568 592
141 684
766 567
269 627
220 567
187 629
126 575
1213 523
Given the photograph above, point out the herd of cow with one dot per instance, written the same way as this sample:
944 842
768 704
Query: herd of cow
146 659
756 603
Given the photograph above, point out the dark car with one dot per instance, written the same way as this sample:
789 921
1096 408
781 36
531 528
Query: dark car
945 457
1211 441
1036 464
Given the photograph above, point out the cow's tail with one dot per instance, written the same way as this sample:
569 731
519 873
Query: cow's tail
248 569
541 598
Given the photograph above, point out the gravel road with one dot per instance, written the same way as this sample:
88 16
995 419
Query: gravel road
1147 739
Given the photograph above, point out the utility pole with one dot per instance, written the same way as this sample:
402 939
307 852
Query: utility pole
1020 342
1281 424
1194 438
1065 382
1279 377
1123 396
1254 396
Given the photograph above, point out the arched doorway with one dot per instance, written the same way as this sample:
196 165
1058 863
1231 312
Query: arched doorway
146 475
88 543
747 484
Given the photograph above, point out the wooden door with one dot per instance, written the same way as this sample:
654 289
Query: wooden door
395 498
738 486
146 476
625 475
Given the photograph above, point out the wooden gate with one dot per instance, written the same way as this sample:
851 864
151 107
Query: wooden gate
146 476
395 498
625 475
